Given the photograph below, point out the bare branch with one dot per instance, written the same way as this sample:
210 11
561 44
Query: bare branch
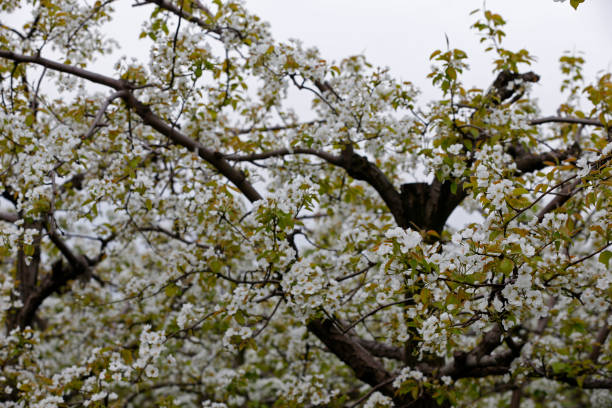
68 69
592 254
214 158
366 367
378 349
330 158
515 401
352 353
566 119
101 112
172 235
370 392
480 361
8 217
167 5
600 339
376 310
528 162
276 128
587 382
77 262
566 193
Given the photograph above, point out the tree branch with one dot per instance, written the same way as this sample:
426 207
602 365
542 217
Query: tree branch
328 157
61 274
168 6
214 158
365 366
276 127
421 205
378 349
566 193
428 206
357 166
600 339
154 121
528 162
67 69
8 216
479 362
376 310
27 268
101 112
501 91
347 349
587 383
566 119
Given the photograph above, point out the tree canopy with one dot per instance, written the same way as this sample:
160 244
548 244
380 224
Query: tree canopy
175 234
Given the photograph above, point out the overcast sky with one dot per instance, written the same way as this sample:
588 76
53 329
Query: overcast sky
401 34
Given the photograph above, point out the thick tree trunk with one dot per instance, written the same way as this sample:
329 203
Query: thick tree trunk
366 367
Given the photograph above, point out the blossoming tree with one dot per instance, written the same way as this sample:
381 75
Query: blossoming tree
174 234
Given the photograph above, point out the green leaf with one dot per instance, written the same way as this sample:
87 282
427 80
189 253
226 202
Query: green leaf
604 258
215 265
519 191
576 3
602 119
506 266
451 73
28 250
240 317
172 290
127 355
559 367
468 143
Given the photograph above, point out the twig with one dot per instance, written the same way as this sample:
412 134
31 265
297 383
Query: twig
361 319
372 391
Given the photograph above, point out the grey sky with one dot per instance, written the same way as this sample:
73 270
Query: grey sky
402 34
